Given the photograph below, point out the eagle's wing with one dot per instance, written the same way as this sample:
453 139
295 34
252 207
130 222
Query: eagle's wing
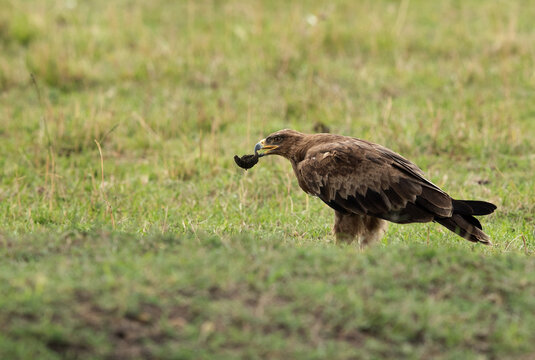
355 176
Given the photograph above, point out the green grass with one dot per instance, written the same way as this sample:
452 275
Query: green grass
203 297
173 252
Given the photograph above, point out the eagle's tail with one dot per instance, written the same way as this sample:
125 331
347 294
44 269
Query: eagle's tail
464 224
473 207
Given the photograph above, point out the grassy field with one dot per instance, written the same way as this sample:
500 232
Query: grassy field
127 231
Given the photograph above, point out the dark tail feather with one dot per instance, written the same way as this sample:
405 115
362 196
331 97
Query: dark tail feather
473 207
472 220
466 226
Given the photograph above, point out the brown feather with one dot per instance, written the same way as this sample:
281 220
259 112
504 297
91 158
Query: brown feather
461 227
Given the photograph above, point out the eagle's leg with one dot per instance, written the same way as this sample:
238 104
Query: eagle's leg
374 230
367 228
346 227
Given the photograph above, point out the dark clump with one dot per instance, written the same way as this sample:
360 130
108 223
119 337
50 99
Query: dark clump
246 161
320 127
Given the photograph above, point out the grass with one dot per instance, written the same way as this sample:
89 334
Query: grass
181 297
128 232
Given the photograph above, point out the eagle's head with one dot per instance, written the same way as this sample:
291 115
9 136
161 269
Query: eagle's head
283 143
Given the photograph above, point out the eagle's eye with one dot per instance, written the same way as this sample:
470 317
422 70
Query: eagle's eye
276 139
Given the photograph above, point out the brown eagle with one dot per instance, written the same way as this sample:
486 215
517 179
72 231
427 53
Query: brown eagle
366 184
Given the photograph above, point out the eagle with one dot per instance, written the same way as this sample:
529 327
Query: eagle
367 184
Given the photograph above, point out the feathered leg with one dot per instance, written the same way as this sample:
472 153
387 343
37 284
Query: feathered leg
345 227
367 228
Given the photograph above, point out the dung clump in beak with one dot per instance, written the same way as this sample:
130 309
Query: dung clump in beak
246 161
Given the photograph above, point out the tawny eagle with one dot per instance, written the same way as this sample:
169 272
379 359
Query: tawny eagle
366 184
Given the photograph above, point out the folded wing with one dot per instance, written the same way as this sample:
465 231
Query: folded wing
355 176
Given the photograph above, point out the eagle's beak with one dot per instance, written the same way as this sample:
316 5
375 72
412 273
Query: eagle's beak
261 146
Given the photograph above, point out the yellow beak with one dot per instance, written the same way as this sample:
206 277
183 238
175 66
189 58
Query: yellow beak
265 149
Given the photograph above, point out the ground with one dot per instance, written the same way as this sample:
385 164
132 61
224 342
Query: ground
127 231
